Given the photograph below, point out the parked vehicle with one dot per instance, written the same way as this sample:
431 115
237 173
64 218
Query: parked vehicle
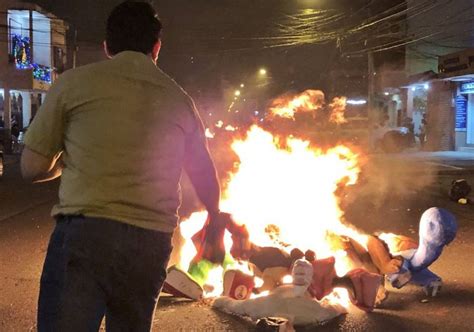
17 142
393 140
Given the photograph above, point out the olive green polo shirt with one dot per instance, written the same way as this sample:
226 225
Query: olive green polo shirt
124 128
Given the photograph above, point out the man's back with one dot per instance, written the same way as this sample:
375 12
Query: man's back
125 129
124 132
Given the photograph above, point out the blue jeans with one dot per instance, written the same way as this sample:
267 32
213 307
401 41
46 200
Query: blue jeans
96 267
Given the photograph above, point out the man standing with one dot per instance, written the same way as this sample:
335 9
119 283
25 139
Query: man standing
119 133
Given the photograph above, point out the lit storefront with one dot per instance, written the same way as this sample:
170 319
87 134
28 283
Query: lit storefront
464 123
457 71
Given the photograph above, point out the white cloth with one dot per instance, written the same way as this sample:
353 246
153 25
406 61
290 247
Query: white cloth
282 302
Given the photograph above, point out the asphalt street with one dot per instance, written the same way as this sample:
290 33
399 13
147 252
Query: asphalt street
392 198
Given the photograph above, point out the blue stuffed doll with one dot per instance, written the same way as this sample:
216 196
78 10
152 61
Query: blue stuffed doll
437 229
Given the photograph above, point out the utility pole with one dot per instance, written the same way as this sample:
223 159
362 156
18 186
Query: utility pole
74 54
32 48
372 115
371 84
7 120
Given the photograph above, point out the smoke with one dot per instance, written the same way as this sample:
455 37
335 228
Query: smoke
387 183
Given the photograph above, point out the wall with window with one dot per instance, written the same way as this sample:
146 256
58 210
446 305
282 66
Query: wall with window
36 35
19 37
41 39
30 46
19 22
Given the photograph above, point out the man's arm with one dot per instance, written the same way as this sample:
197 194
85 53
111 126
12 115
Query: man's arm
203 176
37 168
200 168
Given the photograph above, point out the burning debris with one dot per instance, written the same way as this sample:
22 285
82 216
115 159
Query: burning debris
338 107
459 191
315 292
288 106
284 249
289 301
310 102
271 324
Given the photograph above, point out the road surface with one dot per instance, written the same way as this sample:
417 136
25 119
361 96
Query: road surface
395 204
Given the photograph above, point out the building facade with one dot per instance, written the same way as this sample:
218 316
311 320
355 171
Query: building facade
440 34
32 54
458 69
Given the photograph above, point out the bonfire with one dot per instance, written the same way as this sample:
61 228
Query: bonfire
284 206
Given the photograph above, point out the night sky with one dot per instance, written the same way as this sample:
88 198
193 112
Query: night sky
213 17
208 44
208 30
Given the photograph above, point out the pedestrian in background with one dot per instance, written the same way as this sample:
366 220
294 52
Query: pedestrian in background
119 190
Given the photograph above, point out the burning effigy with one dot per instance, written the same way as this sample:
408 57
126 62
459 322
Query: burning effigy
284 249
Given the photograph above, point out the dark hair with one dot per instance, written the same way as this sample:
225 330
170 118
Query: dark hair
133 26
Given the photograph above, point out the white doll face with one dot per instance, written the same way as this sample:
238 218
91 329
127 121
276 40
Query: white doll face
302 273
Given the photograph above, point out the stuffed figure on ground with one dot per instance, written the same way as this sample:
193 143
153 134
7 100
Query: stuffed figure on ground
398 259
437 229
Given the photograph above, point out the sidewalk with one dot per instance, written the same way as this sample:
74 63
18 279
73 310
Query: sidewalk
437 155
440 162
18 196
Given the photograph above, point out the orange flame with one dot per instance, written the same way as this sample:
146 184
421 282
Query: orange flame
292 187
310 101
338 107
287 107
284 191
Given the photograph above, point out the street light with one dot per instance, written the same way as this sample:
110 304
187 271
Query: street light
242 85
262 71
237 93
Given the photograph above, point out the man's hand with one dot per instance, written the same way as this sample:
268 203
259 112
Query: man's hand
209 241
38 168
219 218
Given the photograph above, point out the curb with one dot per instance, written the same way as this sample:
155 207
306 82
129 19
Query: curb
456 172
